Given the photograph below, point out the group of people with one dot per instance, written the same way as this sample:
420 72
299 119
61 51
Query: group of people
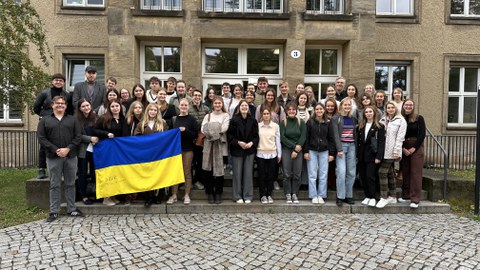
295 134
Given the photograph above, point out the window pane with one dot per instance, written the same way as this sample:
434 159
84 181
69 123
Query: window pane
221 60
212 4
100 65
381 77
232 4
153 58
403 6
1 112
470 110
95 2
329 61
400 77
313 4
453 110
332 5
454 80
471 76
457 7
77 71
273 4
171 4
312 61
263 61
14 110
172 59
384 6
74 2
474 7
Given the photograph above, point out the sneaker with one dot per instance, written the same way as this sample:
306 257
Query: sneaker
289 198
276 186
172 199
270 199
198 186
339 202
320 200
414 205
372 203
264 200
295 199
366 201
76 213
42 174
391 199
52 217
115 200
402 200
349 201
240 201
108 201
87 201
186 199
248 201
382 203
314 200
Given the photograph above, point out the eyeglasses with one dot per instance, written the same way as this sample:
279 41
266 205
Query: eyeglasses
58 80
59 103
197 95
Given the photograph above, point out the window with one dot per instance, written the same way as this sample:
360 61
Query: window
10 112
161 4
390 75
76 70
160 60
325 6
254 6
84 3
462 95
323 64
395 7
465 8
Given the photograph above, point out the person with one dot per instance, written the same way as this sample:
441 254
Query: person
89 89
215 127
237 97
262 87
60 134
340 92
209 97
250 99
133 116
124 96
250 87
270 103
190 89
345 138
395 128
188 128
330 94
171 86
138 92
331 107
43 107
293 134
371 147
111 83
152 92
302 102
380 100
397 98
151 122
269 154
311 99
86 117
111 125
284 98
316 153
168 111
226 94
243 140
299 89
198 110
180 94
369 89
413 155
352 93
110 95
366 100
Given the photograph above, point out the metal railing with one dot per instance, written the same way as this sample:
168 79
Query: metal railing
460 149
445 158
19 149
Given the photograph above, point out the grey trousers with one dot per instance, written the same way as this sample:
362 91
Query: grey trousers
242 184
292 169
58 167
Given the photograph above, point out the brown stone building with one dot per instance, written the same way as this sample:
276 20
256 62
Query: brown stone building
428 48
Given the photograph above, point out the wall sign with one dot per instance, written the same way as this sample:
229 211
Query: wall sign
295 54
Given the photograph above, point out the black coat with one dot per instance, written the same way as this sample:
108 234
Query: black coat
365 151
318 137
245 130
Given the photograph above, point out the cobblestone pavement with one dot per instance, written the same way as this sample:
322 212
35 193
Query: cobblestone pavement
244 241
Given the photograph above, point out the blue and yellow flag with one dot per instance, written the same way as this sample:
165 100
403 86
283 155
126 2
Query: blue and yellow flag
138 163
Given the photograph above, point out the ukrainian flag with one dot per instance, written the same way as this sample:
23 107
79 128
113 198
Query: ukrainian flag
139 163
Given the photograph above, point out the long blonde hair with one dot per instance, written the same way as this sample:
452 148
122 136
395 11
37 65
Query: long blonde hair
158 125
341 111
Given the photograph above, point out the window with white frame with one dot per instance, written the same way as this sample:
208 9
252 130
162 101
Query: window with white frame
390 75
465 8
395 7
10 111
161 4
160 60
253 6
84 3
462 95
76 69
325 6
323 64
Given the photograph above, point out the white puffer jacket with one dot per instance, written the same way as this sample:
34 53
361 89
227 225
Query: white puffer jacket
395 130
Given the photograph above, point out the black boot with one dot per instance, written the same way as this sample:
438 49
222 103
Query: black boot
218 199
41 174
211 199
148 203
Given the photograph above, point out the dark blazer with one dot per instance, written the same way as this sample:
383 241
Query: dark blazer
365 152
80 91
245 130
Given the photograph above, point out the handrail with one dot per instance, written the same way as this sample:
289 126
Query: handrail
445 162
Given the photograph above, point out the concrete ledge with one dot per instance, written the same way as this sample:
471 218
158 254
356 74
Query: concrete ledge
38 193
456 187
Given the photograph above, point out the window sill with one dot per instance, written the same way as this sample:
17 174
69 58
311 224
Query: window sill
465 20
240 15
89 11
11 124
158 13
464 127
411 19
327 17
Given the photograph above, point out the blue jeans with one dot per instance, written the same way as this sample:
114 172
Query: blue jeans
317 169
345 171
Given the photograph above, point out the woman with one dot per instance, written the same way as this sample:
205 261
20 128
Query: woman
168 111
371 147
188 128
215 127
413 154
303 102
237 96
110 95
250 98
271 104
395 128
269 154
124 96
330 95
397 98
111 125
293 134
198 110
380 100
299 89
151 122
369 89
86 117
311 99
331 110
243 141
317 155
365 100
138 92
209 97
345 137
352 93
134 116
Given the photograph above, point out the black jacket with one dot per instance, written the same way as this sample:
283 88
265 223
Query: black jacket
245 130
318 137
365 151
53 134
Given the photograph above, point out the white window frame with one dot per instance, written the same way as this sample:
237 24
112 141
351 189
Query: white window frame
394 12
321 79
163 76
461 94
321 9
242 6
81 3
6 114
391 65
466 9
162 5
86 59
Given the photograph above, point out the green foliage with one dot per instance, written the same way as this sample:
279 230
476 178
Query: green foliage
21 31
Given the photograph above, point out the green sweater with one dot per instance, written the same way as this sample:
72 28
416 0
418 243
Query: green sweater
291 134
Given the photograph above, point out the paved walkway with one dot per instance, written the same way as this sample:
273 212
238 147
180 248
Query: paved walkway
244 241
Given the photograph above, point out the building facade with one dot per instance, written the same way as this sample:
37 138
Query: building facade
428 48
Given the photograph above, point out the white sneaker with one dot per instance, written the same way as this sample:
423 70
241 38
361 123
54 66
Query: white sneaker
295 199
186 199
289 198
382 203
276 186
414 205
402 200
391 199
108 201
366 201
320 200
270 199
248 201
372 203
315 200
240 201
172 199
264 200
199 186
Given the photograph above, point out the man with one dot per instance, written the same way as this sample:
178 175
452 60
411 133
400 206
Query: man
180 93
154 88
226 95
43 107
171 86
262 86
340 88
111 83
61 135
284 98
89 89
198 110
